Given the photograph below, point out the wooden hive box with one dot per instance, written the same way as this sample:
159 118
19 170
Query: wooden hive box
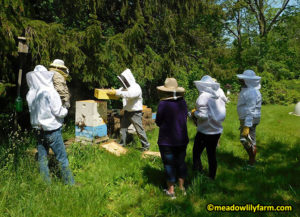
102 94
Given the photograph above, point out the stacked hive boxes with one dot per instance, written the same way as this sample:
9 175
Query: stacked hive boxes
90 120
115 116
148 120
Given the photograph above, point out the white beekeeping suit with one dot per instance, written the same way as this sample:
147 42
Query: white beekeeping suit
249 102
45 106
248 107
131 92
210 106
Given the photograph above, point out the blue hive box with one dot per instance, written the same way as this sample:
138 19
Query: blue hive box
153 116
90 133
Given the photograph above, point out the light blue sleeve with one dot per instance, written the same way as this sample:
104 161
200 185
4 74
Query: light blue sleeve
250 99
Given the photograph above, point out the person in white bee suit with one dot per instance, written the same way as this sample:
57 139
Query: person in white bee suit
210 112
47 116
131 93
249 111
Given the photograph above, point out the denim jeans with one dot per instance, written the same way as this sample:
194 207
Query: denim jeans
173 158
53 139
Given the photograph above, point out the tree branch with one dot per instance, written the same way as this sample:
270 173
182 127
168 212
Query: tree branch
284 4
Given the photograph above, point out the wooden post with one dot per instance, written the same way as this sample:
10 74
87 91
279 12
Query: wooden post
22 50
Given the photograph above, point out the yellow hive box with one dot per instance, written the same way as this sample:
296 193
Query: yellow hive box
102 94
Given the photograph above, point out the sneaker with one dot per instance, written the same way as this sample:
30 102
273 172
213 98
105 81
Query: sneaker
172 196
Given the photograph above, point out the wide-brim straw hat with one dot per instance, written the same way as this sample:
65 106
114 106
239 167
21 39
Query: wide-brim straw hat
248 74
57 63
171 85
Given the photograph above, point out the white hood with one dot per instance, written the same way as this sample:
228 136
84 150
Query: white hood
210 106
127 78
208 85
131 92
44 103
39 78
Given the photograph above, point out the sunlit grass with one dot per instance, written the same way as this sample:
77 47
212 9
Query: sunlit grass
132 186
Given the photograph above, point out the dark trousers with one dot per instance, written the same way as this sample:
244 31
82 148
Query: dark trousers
174 161
209 142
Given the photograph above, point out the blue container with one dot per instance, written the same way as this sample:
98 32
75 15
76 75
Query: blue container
153 116
90 133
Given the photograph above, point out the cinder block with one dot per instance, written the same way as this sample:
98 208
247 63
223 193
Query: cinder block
90 113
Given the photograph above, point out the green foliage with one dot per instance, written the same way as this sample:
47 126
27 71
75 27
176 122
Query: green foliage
98 39
279 92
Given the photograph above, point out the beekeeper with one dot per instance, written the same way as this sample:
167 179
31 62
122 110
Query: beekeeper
131 94
248 107
210 113
60 77
47 116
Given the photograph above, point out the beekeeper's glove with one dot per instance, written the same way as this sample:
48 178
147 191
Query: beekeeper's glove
111 92
193 112
245 131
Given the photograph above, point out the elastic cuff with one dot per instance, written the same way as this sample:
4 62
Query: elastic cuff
118 92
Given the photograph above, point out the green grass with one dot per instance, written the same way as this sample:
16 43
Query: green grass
132 186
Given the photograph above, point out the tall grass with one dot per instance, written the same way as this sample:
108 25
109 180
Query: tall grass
132 186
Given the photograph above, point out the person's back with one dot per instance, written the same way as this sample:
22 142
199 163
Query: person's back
249 102
46 115
211 110
210 113
43 100
171 118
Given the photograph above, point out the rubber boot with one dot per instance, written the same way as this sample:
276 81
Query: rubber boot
252 155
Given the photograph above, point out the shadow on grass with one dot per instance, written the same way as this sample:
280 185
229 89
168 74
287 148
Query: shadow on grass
227 159
155 176
274 180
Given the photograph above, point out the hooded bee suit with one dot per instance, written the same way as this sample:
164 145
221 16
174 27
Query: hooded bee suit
131 94
249 110
210 113
46 115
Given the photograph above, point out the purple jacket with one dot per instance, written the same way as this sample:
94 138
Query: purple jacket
171 118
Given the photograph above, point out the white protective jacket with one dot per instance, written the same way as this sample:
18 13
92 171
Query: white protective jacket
45 107
249 102
131 92
210 106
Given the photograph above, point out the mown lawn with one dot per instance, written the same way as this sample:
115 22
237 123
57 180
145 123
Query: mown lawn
132 186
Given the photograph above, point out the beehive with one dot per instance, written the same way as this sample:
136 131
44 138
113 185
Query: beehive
90 119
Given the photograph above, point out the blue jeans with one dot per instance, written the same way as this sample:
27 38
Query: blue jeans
173 158
53 139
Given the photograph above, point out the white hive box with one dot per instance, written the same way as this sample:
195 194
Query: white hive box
90 119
